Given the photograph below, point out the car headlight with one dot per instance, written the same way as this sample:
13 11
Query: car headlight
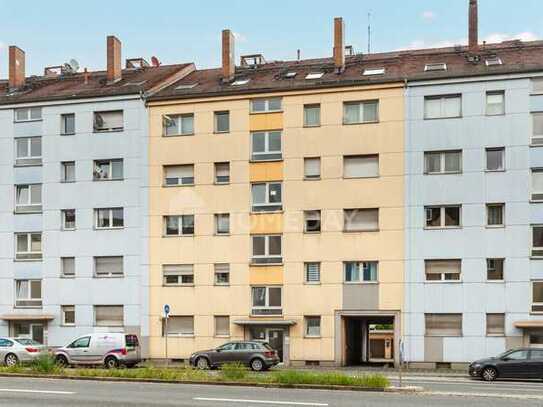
475 365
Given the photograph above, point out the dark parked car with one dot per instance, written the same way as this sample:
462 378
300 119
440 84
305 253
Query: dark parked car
521 363
257 355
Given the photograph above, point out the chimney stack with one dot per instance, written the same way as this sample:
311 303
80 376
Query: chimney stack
228 56
339 44
114 64
16 67
473 26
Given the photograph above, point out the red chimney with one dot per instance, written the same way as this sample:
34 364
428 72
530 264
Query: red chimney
228 56
114 63
339 44
16 67
473 26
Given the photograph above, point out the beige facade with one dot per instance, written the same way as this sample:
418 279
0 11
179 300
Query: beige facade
331 194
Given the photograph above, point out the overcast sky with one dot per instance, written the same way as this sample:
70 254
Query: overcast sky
52 32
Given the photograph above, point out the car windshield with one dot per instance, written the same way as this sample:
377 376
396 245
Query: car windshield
27 342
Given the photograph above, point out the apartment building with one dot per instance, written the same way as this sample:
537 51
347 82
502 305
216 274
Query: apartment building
73 149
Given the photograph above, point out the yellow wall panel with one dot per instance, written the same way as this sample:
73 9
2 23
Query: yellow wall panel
265 275
267 223
266 121
266 171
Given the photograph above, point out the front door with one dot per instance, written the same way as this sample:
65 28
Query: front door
275 339
514 364
29 330
79 349
535 364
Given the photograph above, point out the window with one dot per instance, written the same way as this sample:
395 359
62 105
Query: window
222 274
443 324
27 114
312 168
5 343
80 343
109 218
439 217
537 240
108 121
495 324
266 249
312 272
108 170
537 135
179 225
314 75
492 61
495 214
266 197
312 115
67 173
441 107
495 103
241 81
494 269
312 221
68 315
360 166
360 271
67 267
67 124
495 159
178 274
360 220
28 293
266 145
28 246
266 105
373 71
222 325
178 125
443 162
180 326
222 122
222 223
537 296
266 300
108 266
108 315
537 184
518 355
28 198
435 67
313 326
68 219
222 173
28 151
361 112
179 175
442 270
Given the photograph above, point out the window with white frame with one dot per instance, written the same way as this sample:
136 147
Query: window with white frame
361 112
178 274
28 246
27 114
443 162
266 249
495 324
537 133
312 271
68 315
442 107
312 115
222 173
446 216
495 214
28 198
494 269
222 325
360 271
537 297
179 325
108 266
68 219
178 124
537 184
222 121
108 170
360 220
537 240
28 151
67 171
179 174
266 196
108 121
312 168
313 326
267 300
361 166
67 267
266 105
28 293
222 223
67 124
109 218
108 315
266 145
495 159
312 221
442 270
495 103
222 274
179 225
443 324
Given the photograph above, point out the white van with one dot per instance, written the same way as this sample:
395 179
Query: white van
108 349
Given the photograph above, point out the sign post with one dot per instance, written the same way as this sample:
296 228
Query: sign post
401 361
166 316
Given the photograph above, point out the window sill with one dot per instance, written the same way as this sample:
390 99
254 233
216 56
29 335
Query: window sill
177 185
311 126
312 179
221 183
67 182
107 179
67 230
312 337
27 121
316 283
442 227
536 258
494 226
111 228
535 145
279 315
443 281
494 114
443 118
96 131
107 277
361 282
253 212
359 123
221 336
28 307
67 134
178 135
253 264
192 235
221 284
361 231
370 177
221 234
37 260
268 160
534 201
441 336
495 335
221 132
27 212
67 277
267 111
495 281
178 285
498 171
67 325
444 173
315 232
180 335
27 165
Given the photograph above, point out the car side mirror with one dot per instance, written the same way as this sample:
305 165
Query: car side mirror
218 350
505 359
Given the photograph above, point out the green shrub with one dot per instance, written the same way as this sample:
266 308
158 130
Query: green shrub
234 371
45 364
293 377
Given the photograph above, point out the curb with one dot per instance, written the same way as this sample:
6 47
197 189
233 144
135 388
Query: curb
407 389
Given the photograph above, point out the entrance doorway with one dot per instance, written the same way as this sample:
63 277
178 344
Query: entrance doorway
368 340
29 329
274 336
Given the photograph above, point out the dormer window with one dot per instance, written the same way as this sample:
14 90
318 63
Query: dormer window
435 67
373 71
239 82
290 75
493 61
314 75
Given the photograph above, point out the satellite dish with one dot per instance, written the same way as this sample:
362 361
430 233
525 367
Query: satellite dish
155 61
74 65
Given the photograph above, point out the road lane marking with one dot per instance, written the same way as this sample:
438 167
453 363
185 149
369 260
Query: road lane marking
36 391
485 395
285 403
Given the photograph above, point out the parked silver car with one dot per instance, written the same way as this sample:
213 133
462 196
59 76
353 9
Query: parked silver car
108 349
19 350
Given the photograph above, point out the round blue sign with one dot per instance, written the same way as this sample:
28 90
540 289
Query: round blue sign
166 309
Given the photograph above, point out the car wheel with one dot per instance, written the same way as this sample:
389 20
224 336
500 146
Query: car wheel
202 363
489 374
11 360
111 362
257 365
61 361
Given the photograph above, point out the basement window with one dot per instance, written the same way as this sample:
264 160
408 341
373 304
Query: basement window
314 75
373 71
435 67
493 61
239 82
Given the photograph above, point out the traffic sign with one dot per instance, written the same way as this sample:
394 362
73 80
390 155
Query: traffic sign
166 310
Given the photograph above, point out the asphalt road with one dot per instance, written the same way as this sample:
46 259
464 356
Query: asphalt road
18 392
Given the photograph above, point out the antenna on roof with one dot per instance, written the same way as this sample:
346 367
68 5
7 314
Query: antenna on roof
369 32
154 61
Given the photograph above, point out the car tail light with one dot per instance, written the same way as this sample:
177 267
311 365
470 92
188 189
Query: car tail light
32 350
269 354
122 351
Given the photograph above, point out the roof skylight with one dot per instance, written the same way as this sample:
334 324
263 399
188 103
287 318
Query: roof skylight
373 71
435 67
493 61
314 75
291 74
239 82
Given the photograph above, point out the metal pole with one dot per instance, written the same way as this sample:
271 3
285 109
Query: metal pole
166 334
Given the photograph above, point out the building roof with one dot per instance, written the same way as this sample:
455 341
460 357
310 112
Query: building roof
72 86
515 57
